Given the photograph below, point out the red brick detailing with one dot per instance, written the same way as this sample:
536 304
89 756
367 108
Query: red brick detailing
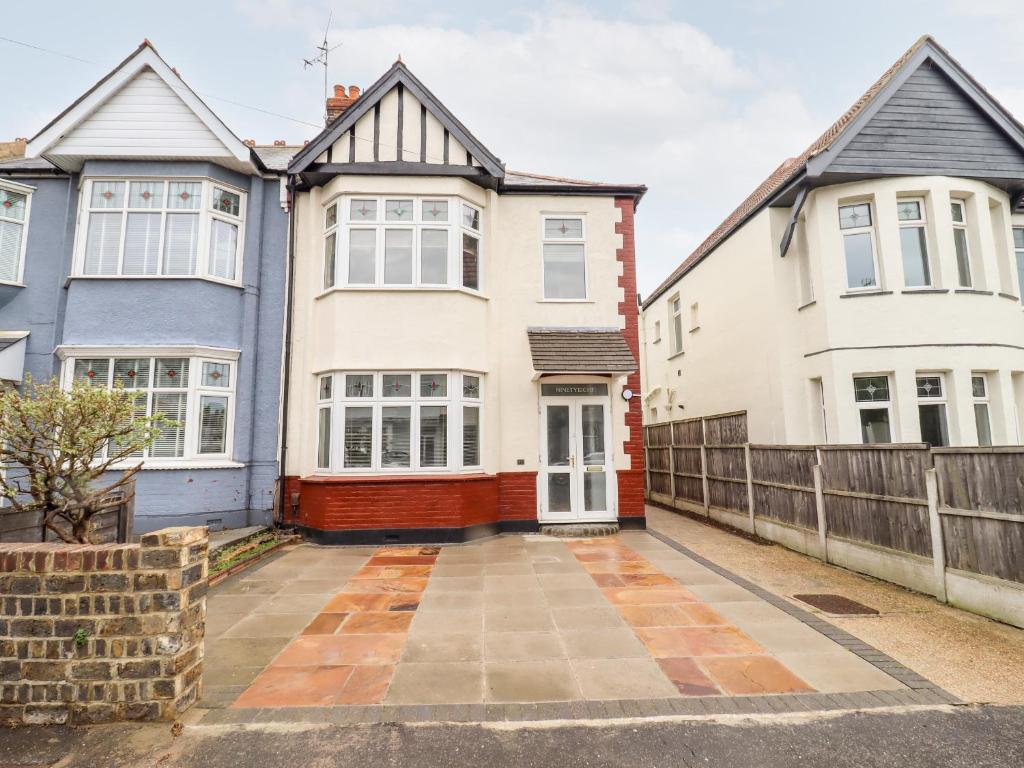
631 486
517 496
434 501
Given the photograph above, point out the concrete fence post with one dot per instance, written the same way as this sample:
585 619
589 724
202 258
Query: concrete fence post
750 488
931 484
819 504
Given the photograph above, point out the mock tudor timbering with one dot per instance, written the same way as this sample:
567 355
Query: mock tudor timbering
97 633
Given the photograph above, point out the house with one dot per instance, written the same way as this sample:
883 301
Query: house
869 290
142 243
462 344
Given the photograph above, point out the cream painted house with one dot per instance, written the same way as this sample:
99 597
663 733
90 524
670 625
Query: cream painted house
869 290
463 339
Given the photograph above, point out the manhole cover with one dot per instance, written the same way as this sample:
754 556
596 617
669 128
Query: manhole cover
837 604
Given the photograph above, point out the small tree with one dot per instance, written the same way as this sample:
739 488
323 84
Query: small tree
56 445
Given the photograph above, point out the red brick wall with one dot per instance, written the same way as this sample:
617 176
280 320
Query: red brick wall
437 501
631 485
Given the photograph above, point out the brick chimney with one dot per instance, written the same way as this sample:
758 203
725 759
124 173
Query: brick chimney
12 150
340 101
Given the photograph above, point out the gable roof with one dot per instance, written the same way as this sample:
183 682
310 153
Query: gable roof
810 166
398 74
145 57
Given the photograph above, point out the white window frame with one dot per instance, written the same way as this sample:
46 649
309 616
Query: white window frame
942 399
963 227
581 241
193 398
379 225
27 191
1018 253
922 224
870 230
875 405
205 212
675 325
454 401
984 399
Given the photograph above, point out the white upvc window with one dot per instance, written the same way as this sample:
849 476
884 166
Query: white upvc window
914 242
197 393
982 414
931 408
1018 248
173 227
675 311
15 204
873 398
394 422
856 222
401 242
565 256
958 210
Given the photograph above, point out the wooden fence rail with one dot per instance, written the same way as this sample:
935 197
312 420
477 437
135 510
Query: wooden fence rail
920 517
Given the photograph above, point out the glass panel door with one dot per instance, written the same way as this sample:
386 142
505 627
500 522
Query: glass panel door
595 478
559 459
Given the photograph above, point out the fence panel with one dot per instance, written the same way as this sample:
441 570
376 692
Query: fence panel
727 477
783 483
659 468
109 527
876 494
726 429
687 438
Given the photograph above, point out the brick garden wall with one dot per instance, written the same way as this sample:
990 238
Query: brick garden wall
97 633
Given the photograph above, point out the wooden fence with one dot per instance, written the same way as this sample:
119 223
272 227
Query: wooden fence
111 526
906 513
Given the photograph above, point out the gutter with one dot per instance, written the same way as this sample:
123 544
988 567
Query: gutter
286 353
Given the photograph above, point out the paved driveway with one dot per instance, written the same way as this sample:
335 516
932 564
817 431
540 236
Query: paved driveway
516 619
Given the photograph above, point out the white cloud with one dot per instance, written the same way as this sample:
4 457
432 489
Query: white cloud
572 93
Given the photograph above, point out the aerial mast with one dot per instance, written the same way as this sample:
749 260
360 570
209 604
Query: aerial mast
321 58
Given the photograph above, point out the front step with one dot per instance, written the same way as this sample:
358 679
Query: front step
580 530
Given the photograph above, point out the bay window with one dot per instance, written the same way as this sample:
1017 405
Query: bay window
195 393
410 242
565 262
161 228
14 209
395 422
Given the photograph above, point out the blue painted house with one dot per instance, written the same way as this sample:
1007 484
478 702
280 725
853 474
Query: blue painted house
143 243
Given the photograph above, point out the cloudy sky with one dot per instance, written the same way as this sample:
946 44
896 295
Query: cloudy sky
697 100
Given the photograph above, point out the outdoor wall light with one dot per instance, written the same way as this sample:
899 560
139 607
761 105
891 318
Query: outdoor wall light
627 395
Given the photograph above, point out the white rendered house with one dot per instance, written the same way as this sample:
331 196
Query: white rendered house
869 290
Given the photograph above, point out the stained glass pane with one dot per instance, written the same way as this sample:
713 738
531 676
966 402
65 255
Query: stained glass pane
397 385
871 389
560 229
184 195
433 385
12 205
146 194
363 210
853 216
107 194
326 388
226 202
957 210
471 386
978 388
398 210
359 385
216 375
908 210
171 372
435 211
132 373
93 371
929 386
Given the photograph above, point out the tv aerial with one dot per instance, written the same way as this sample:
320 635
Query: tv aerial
321 59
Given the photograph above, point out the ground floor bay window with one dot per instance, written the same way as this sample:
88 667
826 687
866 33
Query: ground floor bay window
195 393
382 422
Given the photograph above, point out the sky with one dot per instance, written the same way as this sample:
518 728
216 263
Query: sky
700 101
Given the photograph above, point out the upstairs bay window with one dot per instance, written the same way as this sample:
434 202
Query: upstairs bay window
369 422
161 228
195 393
401 242
14 208
913 243
857 227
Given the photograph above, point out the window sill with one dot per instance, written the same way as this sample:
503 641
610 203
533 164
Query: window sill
566 301
399 476
676 354
11 284
810 303
857 294
656 341
204 278
162 464
1010 296
974 291
924 291
400 289
695 329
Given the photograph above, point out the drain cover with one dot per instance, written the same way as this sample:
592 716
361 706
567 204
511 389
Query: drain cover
837 604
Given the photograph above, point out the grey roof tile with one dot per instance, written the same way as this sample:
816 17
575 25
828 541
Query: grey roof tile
580 350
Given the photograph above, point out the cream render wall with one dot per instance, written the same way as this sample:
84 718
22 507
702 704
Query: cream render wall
485 331
895 330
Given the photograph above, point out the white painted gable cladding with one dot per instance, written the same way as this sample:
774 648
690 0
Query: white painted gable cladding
144 119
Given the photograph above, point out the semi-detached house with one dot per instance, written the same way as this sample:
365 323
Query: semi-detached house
143 244
870 289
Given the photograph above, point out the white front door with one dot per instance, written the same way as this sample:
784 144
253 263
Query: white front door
576 479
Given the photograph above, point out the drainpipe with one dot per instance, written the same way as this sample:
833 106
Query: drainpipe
286 355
